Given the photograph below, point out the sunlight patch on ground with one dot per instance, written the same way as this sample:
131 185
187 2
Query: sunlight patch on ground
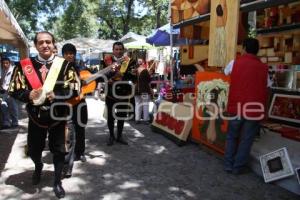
27 196
99 123
97 161
187 192
129 185
98 153
8 191
156 149
69 187
113 196
138 134
159 149
17 162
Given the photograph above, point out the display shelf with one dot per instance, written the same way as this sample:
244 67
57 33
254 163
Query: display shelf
276 29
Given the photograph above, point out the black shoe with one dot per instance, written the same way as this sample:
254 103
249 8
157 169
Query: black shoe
110 141
82 158
36 176
137 122
67 172
59 190
122 141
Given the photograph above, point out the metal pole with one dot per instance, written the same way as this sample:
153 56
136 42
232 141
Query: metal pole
171 47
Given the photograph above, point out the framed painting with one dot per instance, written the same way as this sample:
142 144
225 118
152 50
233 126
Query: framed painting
285 107
209 125
297 170
276 165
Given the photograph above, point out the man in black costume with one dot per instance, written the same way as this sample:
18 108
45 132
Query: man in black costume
78 122
44 83
120 91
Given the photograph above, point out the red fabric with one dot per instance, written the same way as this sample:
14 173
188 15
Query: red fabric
248 85
30 73
108 60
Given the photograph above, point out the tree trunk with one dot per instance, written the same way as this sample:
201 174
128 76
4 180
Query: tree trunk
158 14
128 17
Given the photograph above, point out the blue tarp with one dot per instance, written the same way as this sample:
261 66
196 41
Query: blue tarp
161 37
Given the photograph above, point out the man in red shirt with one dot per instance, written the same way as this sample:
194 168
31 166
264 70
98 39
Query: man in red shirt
246 106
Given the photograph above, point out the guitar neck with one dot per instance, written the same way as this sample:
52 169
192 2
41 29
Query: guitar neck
97 75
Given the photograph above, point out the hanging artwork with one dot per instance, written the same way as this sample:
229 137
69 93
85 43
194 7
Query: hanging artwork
285 107
185 9
223 32
209 125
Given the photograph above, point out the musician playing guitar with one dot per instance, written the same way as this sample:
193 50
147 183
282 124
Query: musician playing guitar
76 139
120 90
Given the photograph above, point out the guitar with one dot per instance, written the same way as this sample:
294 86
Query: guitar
88 79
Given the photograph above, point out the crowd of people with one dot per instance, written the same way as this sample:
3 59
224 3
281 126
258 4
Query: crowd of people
47 83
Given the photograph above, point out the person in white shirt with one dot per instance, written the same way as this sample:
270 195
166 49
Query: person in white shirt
9 106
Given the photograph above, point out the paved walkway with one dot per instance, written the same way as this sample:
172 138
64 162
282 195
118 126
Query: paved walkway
151 167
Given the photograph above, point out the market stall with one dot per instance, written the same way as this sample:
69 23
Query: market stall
275 156
10 31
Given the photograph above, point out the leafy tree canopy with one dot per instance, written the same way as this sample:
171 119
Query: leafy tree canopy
107 19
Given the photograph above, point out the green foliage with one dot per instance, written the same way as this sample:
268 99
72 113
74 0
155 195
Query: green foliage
89 18
27 12
117 18
78 20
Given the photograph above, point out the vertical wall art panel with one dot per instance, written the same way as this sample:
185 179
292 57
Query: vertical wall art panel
224 20
209 125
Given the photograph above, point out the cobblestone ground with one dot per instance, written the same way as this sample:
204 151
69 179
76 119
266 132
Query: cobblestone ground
151 167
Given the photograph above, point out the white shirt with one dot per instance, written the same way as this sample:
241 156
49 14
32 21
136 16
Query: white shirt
6 76
229 67
45 61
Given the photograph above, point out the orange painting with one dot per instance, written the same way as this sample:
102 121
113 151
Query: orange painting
186 9
209 125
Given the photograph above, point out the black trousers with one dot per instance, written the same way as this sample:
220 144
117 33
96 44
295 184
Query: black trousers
117 109
80 118
36 141
76 137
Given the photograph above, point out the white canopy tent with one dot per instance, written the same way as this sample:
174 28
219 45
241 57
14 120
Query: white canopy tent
131 37
10 31
87 45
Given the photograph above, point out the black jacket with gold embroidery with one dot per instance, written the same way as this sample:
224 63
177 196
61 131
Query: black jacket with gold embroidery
123 86
67 86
